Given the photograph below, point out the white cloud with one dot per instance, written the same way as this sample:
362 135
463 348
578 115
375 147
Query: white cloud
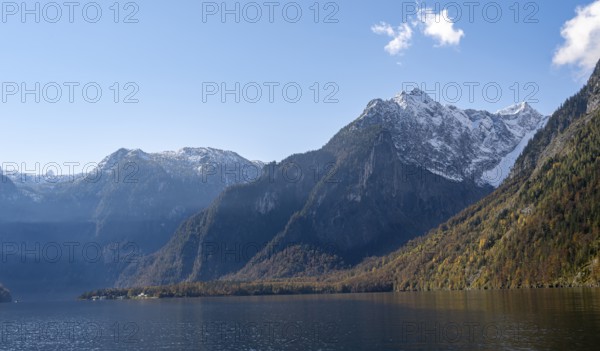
437 26
582 38
401 37
383 28
441 28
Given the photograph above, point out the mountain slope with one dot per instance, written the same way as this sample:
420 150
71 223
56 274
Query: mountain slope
540 228
241 220
371 188
376 202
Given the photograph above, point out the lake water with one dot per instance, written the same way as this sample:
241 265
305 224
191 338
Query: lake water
553 319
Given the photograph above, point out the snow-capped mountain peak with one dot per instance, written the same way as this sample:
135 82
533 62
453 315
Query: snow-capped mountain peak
515 109
186 160
454 143
192 162
415 96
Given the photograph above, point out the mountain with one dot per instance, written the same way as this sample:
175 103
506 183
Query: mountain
154 192
129 188
456 144
403 167
125 206
4 295
541 228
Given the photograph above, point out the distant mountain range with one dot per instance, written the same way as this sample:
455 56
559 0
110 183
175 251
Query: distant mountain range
132 200
127 186
401 168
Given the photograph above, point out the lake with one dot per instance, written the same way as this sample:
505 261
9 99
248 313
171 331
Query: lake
552 319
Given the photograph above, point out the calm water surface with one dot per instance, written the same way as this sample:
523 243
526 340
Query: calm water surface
553 319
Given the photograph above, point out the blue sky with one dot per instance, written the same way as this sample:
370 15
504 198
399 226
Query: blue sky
173 53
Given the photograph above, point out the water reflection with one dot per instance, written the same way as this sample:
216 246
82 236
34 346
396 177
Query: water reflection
553 319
